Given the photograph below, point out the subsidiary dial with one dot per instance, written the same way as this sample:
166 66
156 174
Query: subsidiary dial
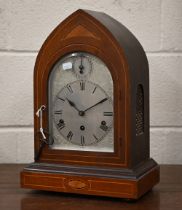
82 66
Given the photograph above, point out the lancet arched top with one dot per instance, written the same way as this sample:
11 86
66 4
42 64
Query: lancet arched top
97 29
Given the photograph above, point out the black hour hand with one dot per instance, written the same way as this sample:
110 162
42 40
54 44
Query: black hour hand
71 103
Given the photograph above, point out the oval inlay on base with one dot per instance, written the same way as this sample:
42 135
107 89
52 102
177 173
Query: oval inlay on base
76 184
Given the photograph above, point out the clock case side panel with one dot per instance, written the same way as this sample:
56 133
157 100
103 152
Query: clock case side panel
81 32
138 75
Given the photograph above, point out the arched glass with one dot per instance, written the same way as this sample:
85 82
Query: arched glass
80 105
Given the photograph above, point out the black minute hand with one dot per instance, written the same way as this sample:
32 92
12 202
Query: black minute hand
105 99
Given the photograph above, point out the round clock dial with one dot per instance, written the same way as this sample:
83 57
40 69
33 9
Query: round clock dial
83 113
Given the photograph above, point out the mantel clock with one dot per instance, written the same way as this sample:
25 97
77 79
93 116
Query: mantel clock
91 111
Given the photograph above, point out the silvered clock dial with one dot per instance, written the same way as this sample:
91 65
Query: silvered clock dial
83 113
81 104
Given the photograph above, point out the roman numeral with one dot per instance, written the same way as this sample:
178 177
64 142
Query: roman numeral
95 137
108 113
61 99
69 136
94 90
104 127
82 85
58 112
69 88
82 140
61 124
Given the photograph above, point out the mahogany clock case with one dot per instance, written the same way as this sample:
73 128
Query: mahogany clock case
128 172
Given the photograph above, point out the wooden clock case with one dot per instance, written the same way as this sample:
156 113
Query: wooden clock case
128 172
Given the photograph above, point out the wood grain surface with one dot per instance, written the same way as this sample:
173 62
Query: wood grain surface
165 196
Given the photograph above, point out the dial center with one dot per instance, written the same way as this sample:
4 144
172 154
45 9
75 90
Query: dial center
81 113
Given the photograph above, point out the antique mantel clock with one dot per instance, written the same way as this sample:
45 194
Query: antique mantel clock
91 111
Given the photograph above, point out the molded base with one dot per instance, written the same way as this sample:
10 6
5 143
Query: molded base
123 183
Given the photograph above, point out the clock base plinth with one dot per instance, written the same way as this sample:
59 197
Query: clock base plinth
122 183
